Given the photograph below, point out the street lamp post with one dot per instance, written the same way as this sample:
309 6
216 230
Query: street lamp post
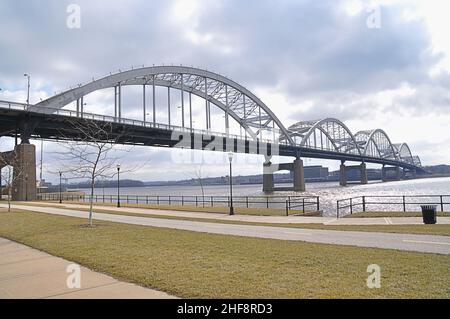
26 187
230 157
28 89
118 185
60 187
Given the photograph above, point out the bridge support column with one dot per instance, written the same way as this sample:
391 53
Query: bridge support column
268 180
299 176
343 175
364 179
24 174
385 174
297 170
409 173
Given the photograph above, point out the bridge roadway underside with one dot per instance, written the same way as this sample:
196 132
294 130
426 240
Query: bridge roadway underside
25 124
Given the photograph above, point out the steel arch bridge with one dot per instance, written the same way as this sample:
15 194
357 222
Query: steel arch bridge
233 99
246 117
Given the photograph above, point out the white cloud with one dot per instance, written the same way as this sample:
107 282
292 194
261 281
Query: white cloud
353 7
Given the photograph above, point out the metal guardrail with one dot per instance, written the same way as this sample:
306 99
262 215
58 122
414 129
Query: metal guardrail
403 202
288 204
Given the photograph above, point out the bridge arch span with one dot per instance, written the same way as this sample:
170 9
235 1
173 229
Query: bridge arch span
234 99
404 153
376 143
336 132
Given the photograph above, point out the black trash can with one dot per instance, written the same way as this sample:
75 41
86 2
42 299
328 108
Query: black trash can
429 214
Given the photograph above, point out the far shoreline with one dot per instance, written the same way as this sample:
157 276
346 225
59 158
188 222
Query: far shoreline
252 184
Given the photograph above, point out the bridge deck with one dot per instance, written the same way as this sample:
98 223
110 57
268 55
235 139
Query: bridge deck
52 124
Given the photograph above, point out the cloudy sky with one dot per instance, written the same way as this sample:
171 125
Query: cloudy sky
305 59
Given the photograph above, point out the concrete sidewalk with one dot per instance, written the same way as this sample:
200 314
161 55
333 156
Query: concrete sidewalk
27 273
257 219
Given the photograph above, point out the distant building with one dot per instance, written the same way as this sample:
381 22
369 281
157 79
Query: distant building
355 175
316 172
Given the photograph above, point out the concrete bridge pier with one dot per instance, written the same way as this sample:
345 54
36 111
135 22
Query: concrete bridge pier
343 178
297 170
343 175
363 168
385 173
299 175
24 173
409 173
268 180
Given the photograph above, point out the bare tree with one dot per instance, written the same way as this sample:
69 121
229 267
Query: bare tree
93 154
198 175
12 174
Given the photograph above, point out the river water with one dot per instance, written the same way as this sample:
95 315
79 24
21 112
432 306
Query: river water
328 192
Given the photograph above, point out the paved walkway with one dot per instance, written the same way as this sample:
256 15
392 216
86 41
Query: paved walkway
27 273
259 219
408 242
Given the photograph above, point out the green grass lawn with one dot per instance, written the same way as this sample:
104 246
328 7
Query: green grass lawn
198 265
439 229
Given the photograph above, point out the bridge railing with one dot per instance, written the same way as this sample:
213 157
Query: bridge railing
386 203
108 118
13 105
270 205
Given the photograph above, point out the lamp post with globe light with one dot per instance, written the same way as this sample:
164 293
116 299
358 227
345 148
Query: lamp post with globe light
118 185
230 157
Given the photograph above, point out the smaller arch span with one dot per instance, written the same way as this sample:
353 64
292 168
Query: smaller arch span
378 141
404 153
336 132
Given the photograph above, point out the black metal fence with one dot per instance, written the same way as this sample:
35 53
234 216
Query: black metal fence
286 204
404 203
